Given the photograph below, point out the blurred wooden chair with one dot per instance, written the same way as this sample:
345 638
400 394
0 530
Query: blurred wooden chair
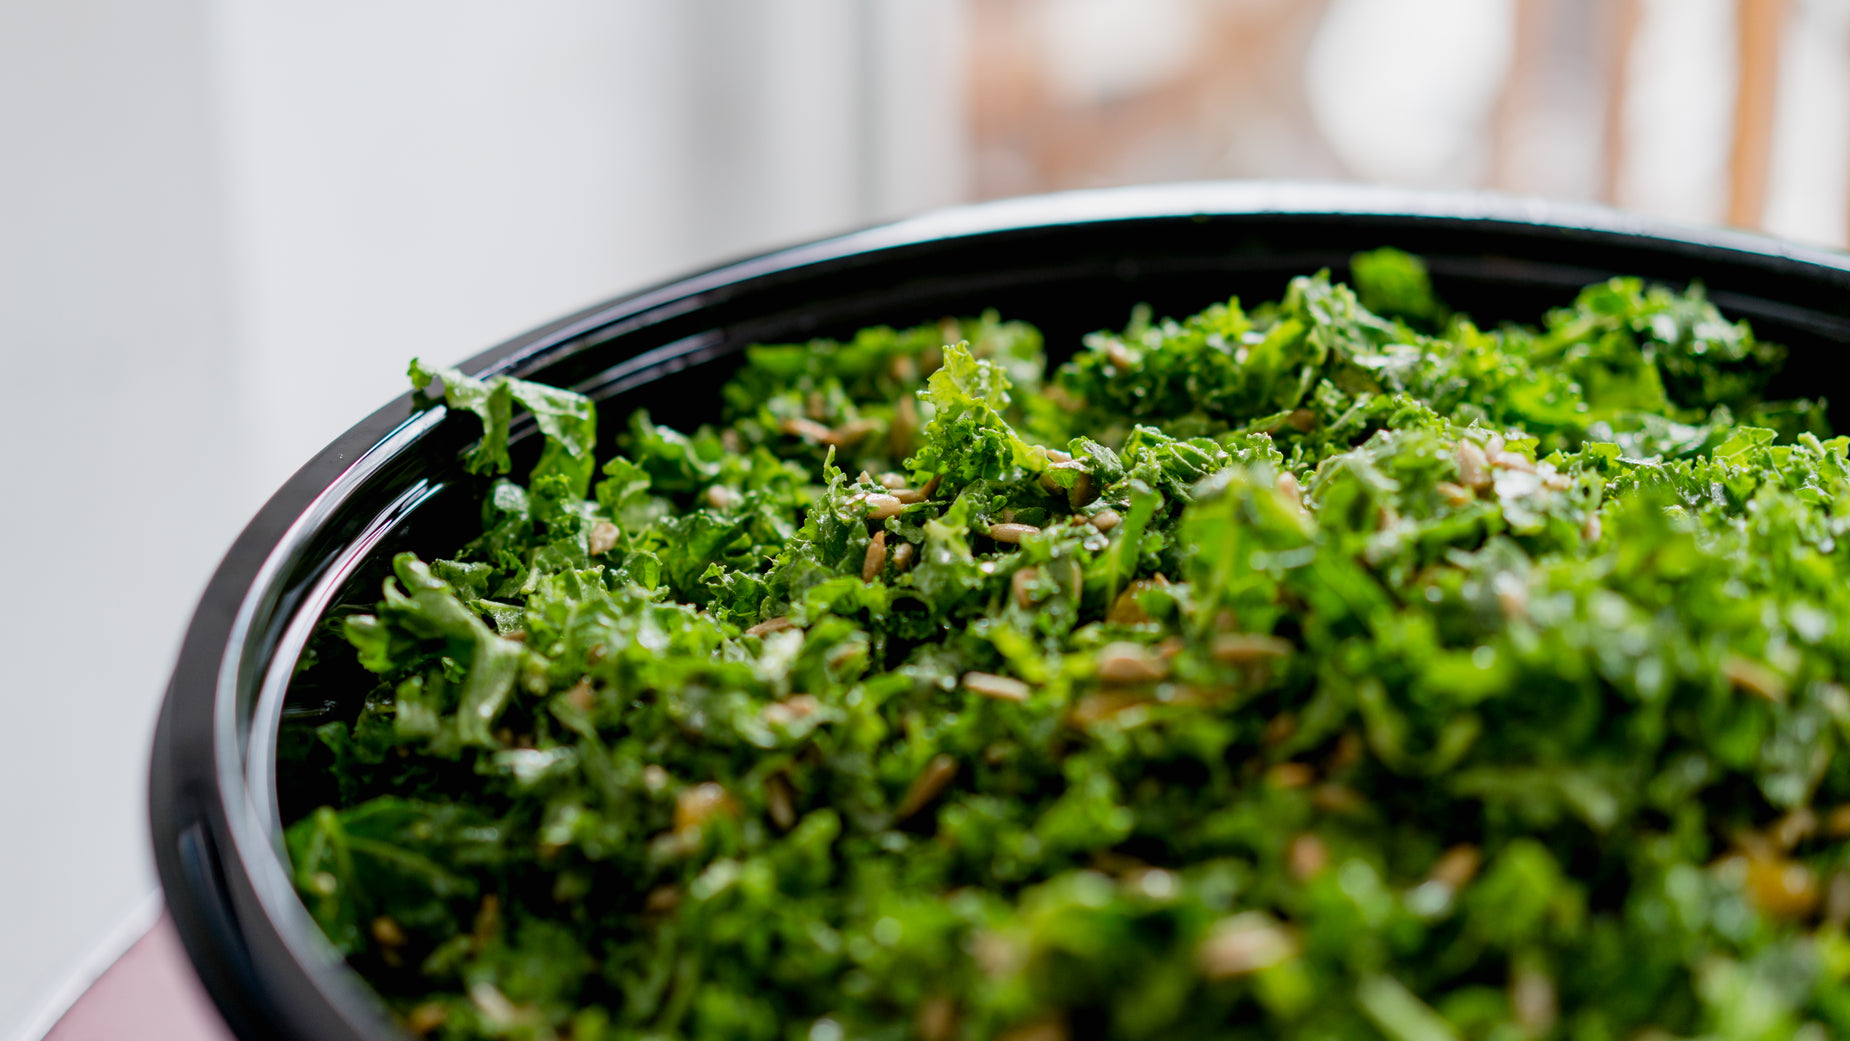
1759 26
1245 76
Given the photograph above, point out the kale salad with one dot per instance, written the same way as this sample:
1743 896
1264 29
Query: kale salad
1331 668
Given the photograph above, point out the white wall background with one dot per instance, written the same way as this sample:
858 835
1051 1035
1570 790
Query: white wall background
124 468
225 227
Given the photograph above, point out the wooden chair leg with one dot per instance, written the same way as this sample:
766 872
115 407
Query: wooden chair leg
1759 25
1621 35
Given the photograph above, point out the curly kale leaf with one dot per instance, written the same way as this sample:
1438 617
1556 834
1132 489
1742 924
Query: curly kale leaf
568 422
969 437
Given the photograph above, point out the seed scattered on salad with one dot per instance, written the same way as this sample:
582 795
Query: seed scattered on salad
1332 668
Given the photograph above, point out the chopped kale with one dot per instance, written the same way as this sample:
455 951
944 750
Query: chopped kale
1336 668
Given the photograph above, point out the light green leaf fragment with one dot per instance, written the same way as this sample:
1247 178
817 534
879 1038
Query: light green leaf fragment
1399 1014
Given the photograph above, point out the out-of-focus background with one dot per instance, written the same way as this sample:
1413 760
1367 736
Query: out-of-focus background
225 227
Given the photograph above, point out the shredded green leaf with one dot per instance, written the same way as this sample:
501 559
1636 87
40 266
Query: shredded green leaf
1336 668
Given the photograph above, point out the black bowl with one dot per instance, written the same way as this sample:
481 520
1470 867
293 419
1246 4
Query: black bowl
1070 263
